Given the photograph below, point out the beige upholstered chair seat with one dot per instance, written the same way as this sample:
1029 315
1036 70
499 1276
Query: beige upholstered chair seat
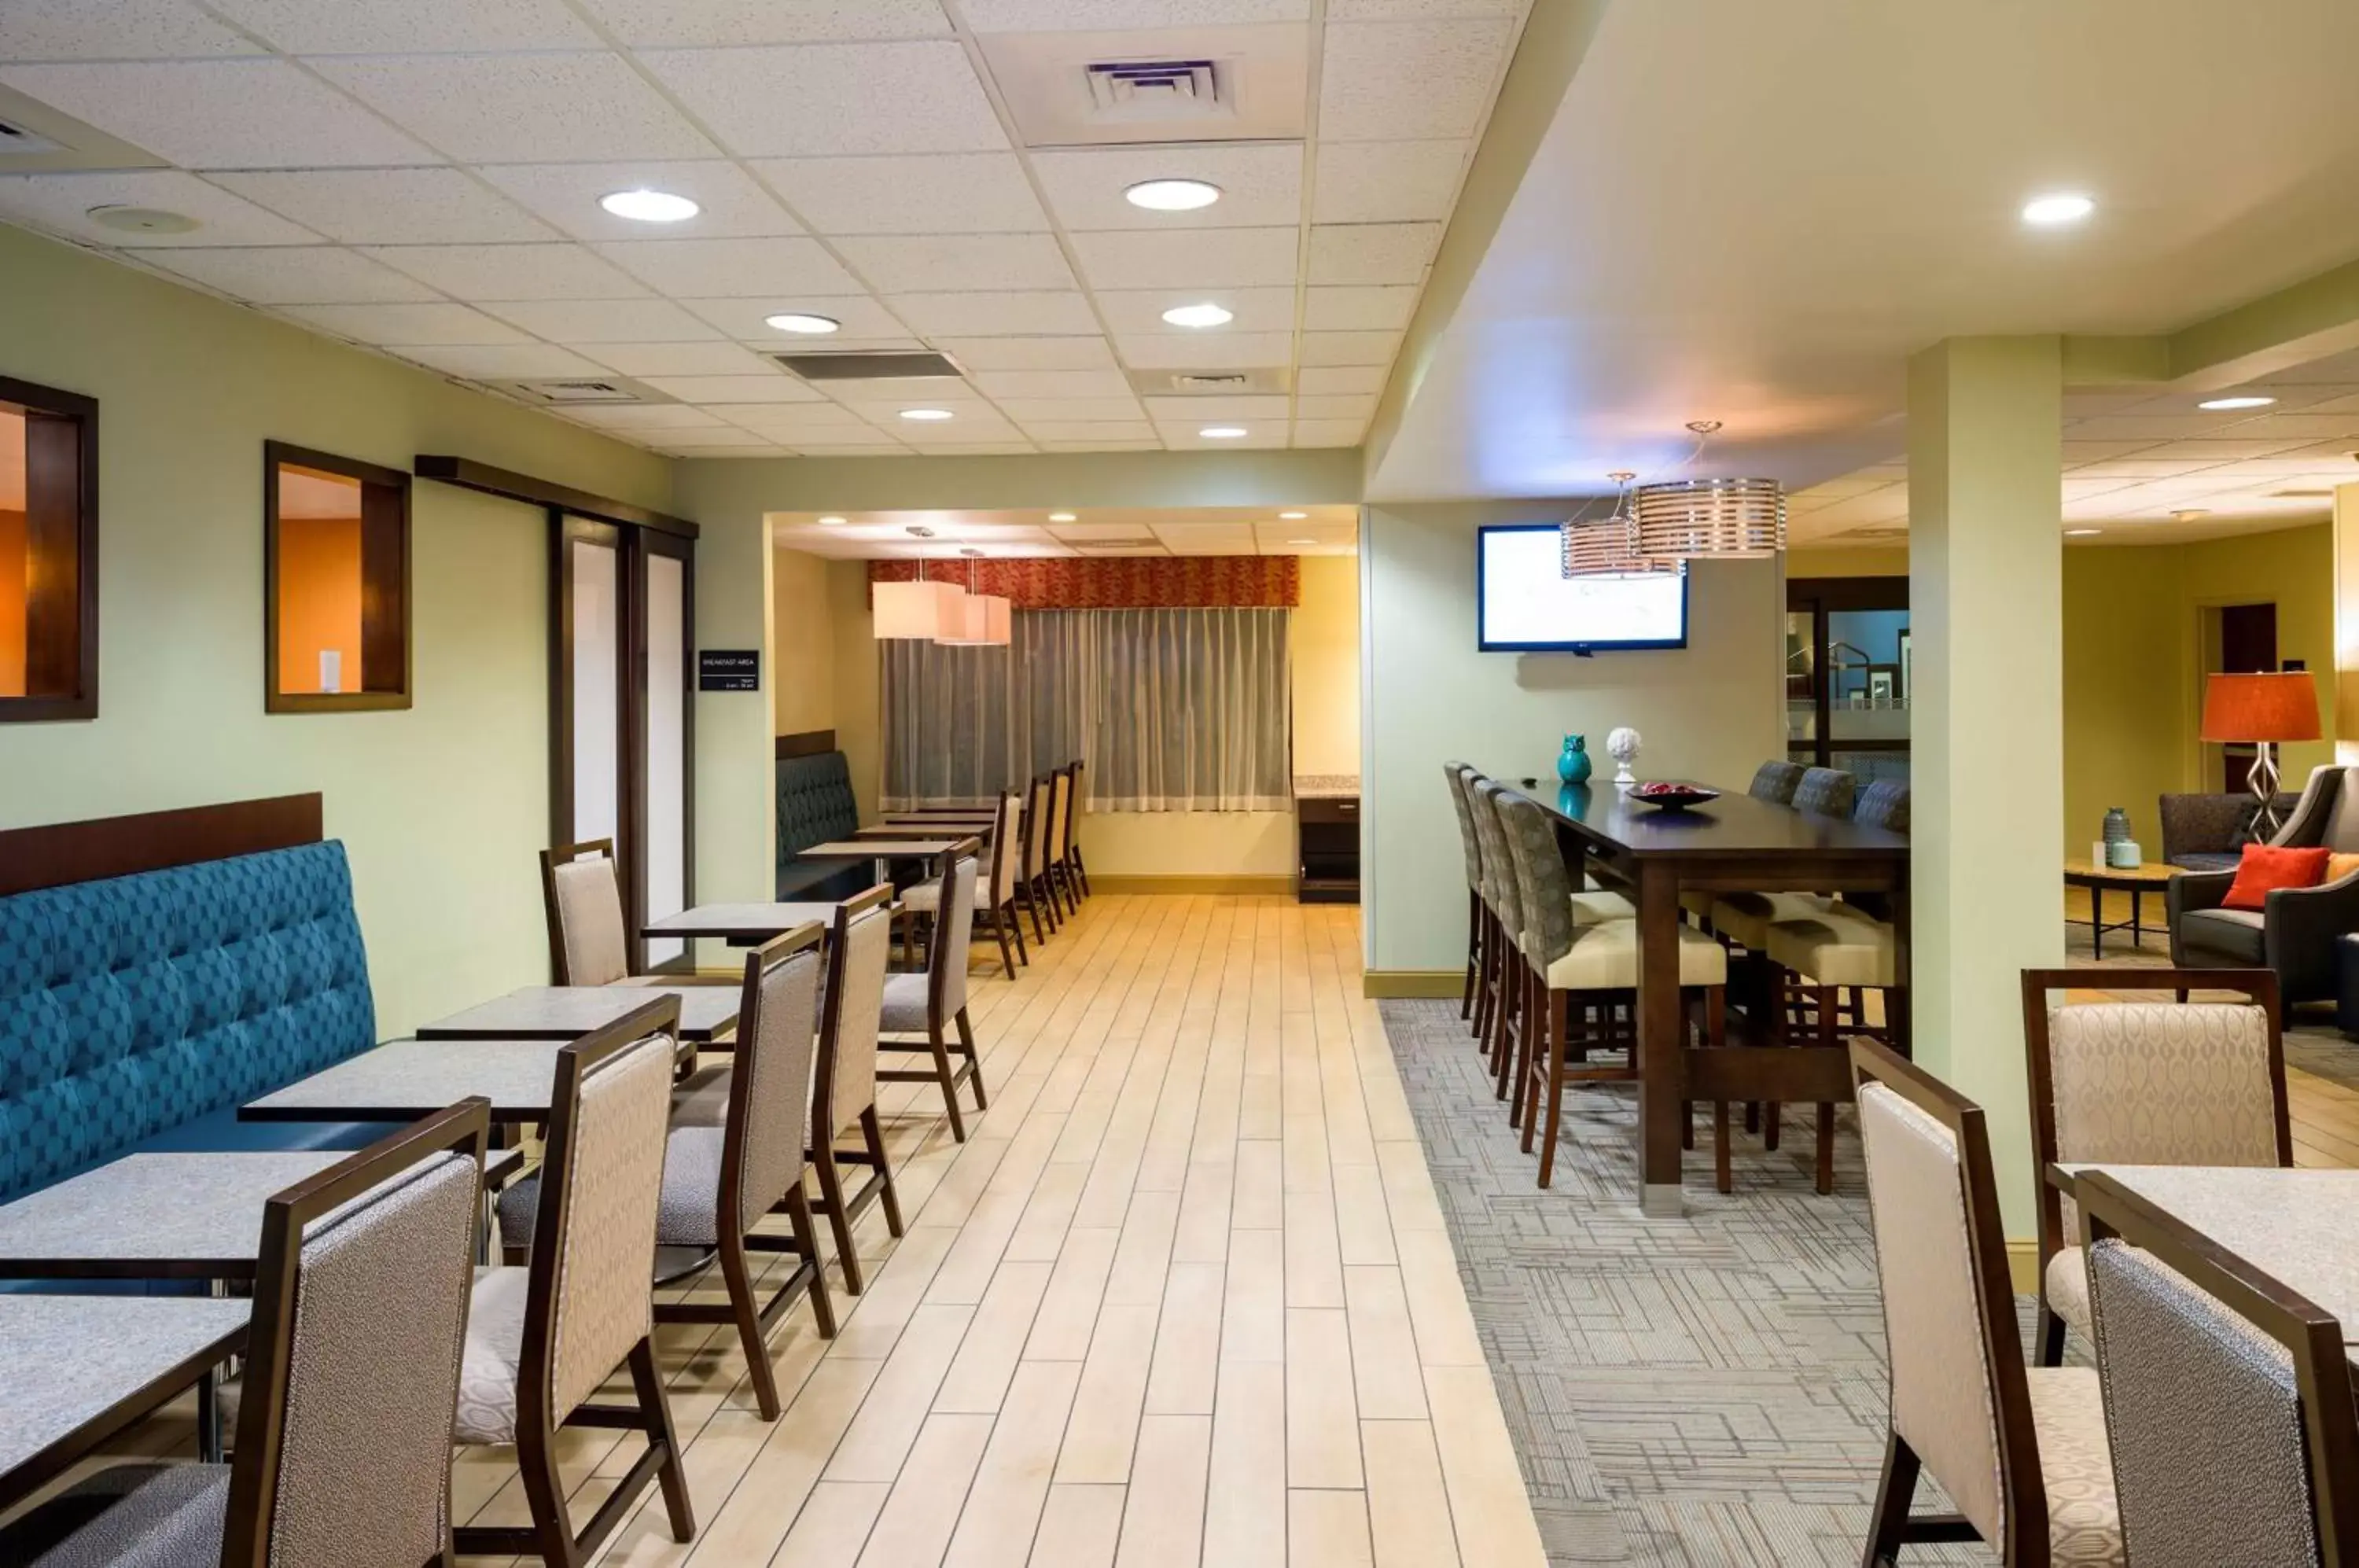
1604 957
494 1356
2068 1288
1595 908
1835 950
2084 1520
1745 918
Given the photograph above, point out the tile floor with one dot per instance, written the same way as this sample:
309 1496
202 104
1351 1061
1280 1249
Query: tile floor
1183 1297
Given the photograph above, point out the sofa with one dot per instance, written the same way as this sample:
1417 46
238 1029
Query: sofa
137 1012
2296 934
2208 832
815 805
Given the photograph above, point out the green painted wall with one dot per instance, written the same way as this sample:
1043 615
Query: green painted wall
442 807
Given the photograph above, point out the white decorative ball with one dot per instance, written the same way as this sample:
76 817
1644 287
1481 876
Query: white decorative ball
1622 745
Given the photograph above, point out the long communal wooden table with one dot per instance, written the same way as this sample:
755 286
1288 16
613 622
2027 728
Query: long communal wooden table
1735 844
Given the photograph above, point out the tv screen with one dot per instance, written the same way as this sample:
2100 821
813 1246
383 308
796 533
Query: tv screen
1530 605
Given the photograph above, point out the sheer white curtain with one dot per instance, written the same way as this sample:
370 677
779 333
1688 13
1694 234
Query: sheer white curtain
1172 710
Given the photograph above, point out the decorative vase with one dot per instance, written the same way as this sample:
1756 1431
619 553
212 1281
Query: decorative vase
1621 746
2117 826
1572 764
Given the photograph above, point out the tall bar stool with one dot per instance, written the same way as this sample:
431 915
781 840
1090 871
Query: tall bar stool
1457 776
1503 981
1772 781
1567 964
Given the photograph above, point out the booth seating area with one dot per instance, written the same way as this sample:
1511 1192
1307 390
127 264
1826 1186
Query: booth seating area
815 805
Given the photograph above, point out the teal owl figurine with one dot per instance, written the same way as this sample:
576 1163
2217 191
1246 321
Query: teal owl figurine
1572 765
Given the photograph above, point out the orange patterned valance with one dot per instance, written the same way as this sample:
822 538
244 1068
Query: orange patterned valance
1121 582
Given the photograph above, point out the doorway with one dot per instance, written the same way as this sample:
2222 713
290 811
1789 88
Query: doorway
1849 674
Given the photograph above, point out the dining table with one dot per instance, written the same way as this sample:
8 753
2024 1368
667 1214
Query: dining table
404 1079
1734 842
153 1216
569 1012
82 1368
741 925
981 829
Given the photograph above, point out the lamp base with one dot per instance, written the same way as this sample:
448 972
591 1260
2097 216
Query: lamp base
2264 781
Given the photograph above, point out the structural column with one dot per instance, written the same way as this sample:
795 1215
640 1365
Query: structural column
2346 625
1986 591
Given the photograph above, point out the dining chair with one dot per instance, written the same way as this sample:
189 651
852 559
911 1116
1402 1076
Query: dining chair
1773 782
544 1338
1061 838
2227 1398
843 1091
360 1305
995 883
2021 1452
1454 775
589 940
1594 966
932 1004
1504 983
1040 826
1073 839
1829 791
2146 1082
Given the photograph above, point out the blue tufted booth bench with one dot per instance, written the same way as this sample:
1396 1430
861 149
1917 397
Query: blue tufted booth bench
815 805
137 1012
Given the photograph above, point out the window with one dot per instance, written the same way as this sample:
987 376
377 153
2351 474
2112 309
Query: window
48 553
337 596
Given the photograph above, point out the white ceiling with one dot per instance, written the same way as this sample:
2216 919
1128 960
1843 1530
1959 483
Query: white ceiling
1095 531
1756 213
422 178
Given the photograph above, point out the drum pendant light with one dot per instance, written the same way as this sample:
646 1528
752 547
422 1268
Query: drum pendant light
1608 547
1710 519
985 620
929 612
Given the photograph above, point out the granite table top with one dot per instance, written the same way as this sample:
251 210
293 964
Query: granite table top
743 922
880 849
1326 786
403 1080
80 1369
151 1217
569 1012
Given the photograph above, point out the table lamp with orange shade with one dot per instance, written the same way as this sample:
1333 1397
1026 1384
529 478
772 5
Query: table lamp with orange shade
2261 709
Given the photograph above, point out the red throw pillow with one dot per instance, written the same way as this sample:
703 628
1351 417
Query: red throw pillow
2263 868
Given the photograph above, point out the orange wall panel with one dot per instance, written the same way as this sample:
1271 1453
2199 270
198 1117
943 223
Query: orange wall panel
12 603
318 600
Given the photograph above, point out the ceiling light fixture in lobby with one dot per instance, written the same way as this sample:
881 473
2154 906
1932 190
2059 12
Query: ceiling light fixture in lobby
1172 195
2057 210
1204 315
2250 400
802 321
643 206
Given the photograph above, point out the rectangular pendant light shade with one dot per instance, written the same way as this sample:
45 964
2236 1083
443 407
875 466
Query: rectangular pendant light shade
987 624
929 610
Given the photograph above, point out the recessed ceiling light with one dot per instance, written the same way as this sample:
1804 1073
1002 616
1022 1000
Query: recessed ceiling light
1292 516
1061 517
924 414
2081 533
643 206
802 321
142 219
1302 541
1172 195
831 522
2053 211
2247 401
1223 432
1204 315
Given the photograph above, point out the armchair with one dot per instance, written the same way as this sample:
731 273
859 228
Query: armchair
2295 935
2208 832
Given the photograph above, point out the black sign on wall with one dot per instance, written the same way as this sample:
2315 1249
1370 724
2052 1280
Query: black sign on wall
729 669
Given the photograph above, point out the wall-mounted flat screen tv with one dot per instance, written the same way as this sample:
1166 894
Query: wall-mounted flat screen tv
1529 606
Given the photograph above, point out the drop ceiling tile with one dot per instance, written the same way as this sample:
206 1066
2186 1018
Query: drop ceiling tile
776 387
1066 430
2305 426
981 449
293 275
513 362
916 264
396 326
1392 81
1371 253
1208 538
1254 310
1419 10
1261 184
511 272
220 114
646 417
1358 408
824 98
1332 380
678 359
658 23
61 203
830 441
1260 435
1349 348
964 431
767 268
862 320
996 315
1029 409
2080 451
2124 427
1105 445
902 391
1365 308
717 438
1028 354
442 27
1077 16
1198 258
959 193
522 108
1211 350
1384 182
579 322
734 205
113 29
2222 451
392 206
800 419
1051 382
1215 409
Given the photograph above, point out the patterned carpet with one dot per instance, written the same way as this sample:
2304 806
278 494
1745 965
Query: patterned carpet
1705 1392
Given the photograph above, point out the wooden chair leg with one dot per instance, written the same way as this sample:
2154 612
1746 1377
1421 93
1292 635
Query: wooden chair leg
973 1057
806 1229
1888 1522
670 1474
1723 1175
2048 1347
1558 1006
1826 1146
544 1495
738 1277
942 1076
999 932
831 1197
874 1130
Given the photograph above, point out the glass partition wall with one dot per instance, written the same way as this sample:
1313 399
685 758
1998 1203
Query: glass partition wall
1849 673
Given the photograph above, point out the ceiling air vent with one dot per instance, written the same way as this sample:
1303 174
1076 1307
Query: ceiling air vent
18 141
1129 91
852 365
1116 545
1208 382
580 390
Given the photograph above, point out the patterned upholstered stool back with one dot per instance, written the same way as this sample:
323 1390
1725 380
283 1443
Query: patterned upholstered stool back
946 960
848 1025
1540 874
771 1075
1457 776
587 942
1826 791
1776 781
1884 804
1498 890
2211 1458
